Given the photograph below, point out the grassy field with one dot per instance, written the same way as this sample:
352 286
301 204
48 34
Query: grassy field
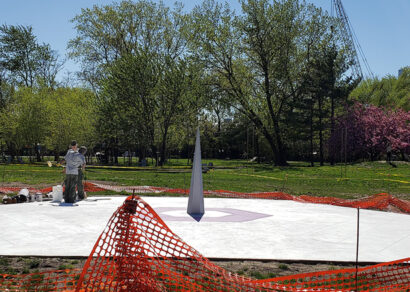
349 181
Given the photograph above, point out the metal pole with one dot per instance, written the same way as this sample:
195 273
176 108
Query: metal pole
4 170
185 191
345 150
341 154
247 142
4 158
357 243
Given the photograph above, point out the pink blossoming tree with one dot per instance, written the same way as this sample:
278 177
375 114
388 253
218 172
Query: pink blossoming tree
367 130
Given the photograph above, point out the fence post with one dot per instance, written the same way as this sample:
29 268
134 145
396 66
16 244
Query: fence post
357 243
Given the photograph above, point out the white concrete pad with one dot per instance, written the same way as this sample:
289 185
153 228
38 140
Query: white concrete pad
230 228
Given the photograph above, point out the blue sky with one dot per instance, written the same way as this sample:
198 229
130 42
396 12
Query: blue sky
382 27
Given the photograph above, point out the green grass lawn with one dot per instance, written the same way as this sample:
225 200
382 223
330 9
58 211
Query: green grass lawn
338 181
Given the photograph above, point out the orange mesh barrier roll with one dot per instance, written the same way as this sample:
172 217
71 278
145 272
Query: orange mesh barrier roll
61 280
138 252
383 201
88 187
392 276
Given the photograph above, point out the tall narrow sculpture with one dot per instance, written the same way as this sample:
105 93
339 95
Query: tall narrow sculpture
196 194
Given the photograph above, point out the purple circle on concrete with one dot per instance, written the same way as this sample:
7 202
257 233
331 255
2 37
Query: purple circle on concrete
210 215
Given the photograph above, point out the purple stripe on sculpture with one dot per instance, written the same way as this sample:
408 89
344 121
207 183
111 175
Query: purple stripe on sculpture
228 215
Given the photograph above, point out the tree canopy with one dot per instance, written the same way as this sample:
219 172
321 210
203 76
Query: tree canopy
23 60
274 79
389 91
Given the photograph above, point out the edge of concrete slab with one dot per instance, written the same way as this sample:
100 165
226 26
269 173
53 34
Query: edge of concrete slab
290 261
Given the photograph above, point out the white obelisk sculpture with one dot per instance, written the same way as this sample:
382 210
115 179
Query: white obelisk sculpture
196 194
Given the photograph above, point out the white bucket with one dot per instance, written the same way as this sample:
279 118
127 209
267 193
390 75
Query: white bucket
57 193
39 197
23 192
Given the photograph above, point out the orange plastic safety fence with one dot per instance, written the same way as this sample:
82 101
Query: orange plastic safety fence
9 190
392 276
381 201
138 252
61 280
88 187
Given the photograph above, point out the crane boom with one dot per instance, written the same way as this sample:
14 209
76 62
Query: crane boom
350 40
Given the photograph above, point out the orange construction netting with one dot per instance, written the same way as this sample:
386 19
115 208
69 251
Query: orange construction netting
382 201
138 252
60 280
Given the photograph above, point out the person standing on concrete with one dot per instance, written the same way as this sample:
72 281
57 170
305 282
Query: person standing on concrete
73 160
80 184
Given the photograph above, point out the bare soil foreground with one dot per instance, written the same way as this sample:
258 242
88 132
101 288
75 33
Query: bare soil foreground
254 269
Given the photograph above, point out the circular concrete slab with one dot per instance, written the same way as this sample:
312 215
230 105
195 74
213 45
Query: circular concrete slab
230 228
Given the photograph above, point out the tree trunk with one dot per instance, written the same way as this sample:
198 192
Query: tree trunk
320 131
258 159
219 121
279 151
56 156
280 155
12 150
129 157
38 152
155 153
30 154
115 151
2 101
332 128
163 148
312 160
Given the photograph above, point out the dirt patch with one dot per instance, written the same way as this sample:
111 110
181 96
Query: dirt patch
272 269
27 265
254 269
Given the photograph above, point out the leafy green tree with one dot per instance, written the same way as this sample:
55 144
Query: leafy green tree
71 116
49 65
49 117
107 33
127 103
174 99
18 48
6 91
401 91
320 86
260 58
24 119
24 60
145 100
390 91
133 55
8 132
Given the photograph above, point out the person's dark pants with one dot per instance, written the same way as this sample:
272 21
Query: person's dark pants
69 192
80 186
